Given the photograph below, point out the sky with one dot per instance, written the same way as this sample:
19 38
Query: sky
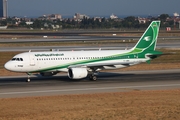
34 8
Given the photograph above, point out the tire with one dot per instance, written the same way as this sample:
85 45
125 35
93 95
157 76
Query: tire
94 78
28 80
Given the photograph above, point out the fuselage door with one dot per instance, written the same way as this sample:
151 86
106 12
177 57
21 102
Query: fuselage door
32 59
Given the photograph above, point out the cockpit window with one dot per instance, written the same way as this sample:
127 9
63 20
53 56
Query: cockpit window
17 59
13 59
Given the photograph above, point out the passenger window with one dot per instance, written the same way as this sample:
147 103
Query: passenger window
21 59
17 59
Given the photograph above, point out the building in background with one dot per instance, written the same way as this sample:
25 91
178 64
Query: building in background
51 17
3 9
79 17
54 16
113 16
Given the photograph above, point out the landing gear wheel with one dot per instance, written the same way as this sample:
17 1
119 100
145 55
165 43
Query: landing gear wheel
93 77
28 80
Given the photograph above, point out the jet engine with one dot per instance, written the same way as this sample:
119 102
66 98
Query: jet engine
77 73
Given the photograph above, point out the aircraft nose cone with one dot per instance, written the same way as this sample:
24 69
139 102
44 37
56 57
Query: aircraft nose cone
7 66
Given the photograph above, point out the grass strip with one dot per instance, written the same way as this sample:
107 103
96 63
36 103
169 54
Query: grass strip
129 105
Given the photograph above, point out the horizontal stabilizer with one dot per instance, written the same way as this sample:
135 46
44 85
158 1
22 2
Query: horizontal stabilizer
152 56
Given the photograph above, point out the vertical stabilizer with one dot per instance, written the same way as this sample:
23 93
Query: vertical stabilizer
149 39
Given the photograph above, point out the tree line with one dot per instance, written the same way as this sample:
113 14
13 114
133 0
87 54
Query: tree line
129 22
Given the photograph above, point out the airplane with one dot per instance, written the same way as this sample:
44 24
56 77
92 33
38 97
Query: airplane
82 64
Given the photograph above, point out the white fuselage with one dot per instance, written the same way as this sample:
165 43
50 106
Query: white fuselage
61 60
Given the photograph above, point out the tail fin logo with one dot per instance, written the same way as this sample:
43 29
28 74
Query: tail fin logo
147 38
154 25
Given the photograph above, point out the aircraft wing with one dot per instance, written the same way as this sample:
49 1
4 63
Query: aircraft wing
100 65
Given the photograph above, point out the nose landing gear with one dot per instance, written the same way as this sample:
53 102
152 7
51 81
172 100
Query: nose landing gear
28 79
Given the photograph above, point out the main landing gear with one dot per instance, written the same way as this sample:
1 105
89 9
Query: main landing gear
28 79
93 77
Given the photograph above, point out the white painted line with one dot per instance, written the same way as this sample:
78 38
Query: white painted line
88 89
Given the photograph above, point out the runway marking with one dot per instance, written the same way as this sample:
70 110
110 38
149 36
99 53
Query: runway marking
88 89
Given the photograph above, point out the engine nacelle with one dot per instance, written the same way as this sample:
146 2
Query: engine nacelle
77 73
48 73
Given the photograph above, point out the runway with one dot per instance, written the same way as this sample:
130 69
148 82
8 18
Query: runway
77 48
162 43
79 38
67 39
11 87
